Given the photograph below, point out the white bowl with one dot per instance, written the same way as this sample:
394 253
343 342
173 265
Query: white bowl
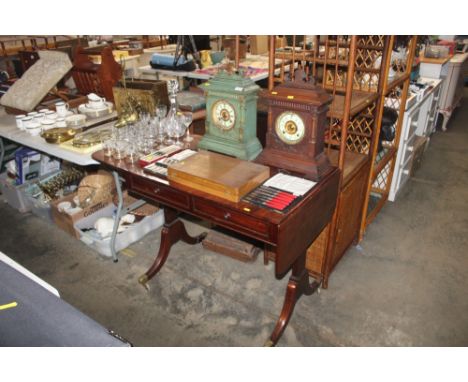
75 120
64 206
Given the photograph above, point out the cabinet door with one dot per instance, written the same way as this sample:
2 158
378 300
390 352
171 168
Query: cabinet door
349 214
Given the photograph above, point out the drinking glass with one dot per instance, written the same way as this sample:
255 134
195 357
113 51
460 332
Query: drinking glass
145 147
131 153
179 129
161 111
108 147
120 149
187 119
169 125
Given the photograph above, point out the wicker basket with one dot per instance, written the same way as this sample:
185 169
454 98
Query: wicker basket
96 188
316 253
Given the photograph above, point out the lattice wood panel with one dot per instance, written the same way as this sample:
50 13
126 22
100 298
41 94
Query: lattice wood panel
360 129
367 58
335 78
381 181
366 81
334 50
333 133
372 40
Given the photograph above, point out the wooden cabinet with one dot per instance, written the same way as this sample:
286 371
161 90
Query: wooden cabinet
452 91
348 218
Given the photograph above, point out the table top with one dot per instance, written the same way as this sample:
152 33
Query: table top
287 235
256 65
430 60
9 131
38 317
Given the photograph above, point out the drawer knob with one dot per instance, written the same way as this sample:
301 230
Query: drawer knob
414 123
410 148
156 190
227 215
406 172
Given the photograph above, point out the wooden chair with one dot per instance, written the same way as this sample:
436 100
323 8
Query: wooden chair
96 78
27 58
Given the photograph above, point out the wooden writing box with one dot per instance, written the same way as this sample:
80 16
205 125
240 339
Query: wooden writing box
219 175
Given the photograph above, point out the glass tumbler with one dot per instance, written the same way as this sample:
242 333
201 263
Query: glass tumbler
108 147
120 149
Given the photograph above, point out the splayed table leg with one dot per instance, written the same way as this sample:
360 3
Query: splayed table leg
173 231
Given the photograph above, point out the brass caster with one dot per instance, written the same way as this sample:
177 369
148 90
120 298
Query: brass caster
143 280
269 343
202 237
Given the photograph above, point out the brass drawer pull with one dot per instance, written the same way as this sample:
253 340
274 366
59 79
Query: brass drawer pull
227 215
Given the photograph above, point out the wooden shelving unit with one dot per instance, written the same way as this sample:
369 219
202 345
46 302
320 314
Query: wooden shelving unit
354 122
383 164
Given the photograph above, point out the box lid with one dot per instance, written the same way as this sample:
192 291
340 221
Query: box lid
218 174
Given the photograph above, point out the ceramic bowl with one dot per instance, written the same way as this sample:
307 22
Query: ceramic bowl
75 120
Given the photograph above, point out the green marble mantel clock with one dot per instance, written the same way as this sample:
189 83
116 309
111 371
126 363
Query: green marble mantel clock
231 116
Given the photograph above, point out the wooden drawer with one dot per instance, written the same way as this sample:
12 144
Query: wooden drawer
231 218
160 192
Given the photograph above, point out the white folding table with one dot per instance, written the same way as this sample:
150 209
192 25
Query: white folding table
8 130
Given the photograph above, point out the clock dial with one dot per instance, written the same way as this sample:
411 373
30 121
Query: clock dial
290 127
224 115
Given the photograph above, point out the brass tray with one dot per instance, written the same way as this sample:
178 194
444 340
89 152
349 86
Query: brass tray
58 134
91 138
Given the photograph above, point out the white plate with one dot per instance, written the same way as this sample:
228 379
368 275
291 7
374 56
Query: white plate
95 113
85 108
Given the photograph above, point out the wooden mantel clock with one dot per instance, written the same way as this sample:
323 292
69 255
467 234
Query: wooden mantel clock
296 127
231 116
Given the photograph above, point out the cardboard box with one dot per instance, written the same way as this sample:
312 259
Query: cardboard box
28 164
31 164
67 222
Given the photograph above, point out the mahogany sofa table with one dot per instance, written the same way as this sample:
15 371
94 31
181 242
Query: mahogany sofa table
286 235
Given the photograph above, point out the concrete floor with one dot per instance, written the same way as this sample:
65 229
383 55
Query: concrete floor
405 285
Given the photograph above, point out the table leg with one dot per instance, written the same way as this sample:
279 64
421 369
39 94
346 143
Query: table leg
120 212
173 231
297 286
446 116
2 152
118 215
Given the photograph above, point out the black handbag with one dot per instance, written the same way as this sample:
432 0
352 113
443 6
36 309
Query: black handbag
387 130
